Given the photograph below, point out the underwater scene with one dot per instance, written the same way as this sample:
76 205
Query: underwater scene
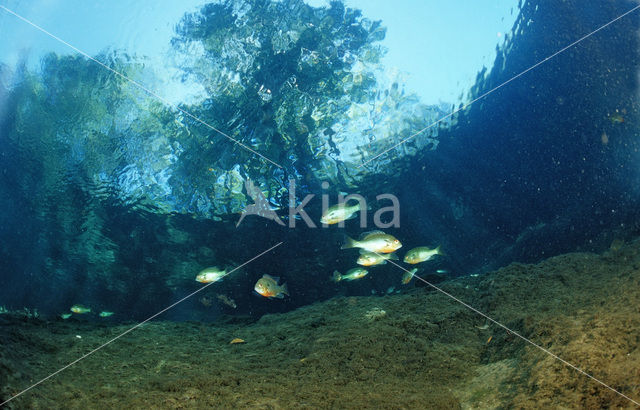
314 204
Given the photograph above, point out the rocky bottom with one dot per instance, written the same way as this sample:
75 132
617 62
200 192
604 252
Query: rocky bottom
420 349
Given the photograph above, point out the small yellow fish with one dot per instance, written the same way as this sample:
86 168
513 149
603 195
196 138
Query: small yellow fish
268 287
211 274
421 254
375 241
340 212
105 314
406 278
352 274
79 309
616 118
617 245
372 259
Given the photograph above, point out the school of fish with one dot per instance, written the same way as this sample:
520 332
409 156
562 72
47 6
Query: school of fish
376 248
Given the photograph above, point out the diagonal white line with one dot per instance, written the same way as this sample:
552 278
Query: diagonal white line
142 87
497 87
136 326
517 334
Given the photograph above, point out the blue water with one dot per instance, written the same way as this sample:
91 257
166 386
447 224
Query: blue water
115 199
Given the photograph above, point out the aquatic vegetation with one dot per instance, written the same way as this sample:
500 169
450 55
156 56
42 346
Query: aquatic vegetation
423 345
374 314
31 313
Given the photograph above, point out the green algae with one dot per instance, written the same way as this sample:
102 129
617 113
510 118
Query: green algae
426 351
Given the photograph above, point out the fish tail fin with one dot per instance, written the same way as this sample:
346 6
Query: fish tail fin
393 257
337 277
360 206
349 243
439 251
285 290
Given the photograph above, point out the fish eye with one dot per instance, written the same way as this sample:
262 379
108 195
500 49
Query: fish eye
396 241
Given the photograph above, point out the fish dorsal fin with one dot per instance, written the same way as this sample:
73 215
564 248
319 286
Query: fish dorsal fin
269 277
366 235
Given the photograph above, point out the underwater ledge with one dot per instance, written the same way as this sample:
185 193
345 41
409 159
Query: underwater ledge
418 349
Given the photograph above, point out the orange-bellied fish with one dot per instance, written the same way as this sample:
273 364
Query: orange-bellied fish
421 254
268 287
340 212
352 274
367 258
211 274
375 241
408 275
79 309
